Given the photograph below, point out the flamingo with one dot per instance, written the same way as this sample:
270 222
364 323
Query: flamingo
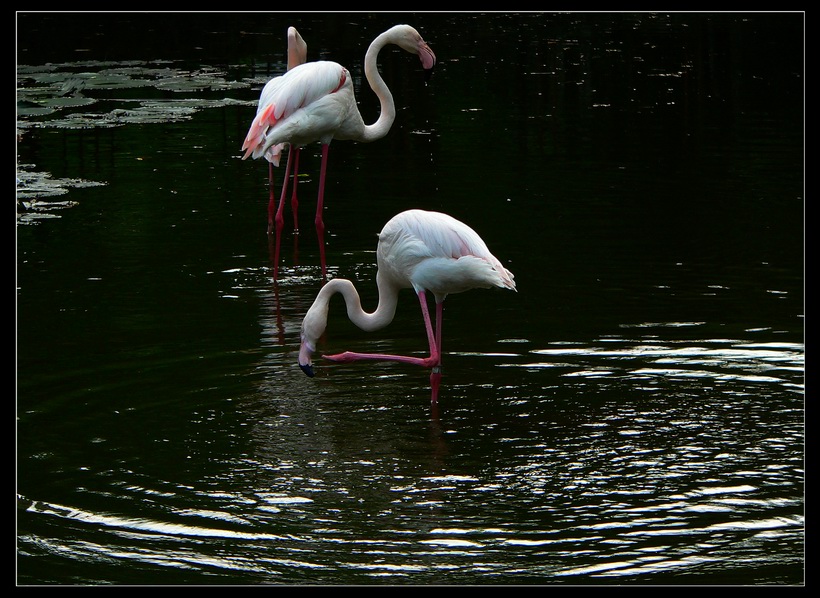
297 54
315 101
426 251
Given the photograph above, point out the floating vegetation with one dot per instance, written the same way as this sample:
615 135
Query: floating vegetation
47 90
99 94
35 193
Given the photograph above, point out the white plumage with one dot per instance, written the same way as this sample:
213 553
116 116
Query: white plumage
426 251
314 102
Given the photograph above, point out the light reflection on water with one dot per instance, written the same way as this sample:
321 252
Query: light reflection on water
758 361
673 479
654 471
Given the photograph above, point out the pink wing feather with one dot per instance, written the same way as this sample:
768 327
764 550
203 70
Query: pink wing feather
284 95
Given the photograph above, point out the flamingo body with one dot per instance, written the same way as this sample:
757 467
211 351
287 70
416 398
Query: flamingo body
315 102
297 54
311 102
426 251
435 252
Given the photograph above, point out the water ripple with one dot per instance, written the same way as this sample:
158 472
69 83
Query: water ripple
749 362
145 525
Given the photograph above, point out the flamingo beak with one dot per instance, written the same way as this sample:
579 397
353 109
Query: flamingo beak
305 351
428 59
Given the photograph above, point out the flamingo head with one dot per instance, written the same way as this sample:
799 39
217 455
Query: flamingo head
410 40
305 361
313 327
305 351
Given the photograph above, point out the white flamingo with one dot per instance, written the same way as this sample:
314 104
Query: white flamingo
314 102
426 251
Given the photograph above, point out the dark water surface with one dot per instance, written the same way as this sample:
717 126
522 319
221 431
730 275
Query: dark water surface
634 414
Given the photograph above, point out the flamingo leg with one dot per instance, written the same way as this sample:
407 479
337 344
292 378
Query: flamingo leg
294 201
279 219
435 374
320 223
272 199
433 361
439 320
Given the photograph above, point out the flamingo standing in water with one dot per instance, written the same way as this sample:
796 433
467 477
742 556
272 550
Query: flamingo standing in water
426 251
315 101
297 54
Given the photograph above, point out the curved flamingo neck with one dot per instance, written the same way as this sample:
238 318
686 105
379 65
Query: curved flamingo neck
387 113
384 312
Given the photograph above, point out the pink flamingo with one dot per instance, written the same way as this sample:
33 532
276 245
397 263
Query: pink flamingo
297 54
315 101
425 251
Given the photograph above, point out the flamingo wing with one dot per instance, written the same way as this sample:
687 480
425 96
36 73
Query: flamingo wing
439 253
282 96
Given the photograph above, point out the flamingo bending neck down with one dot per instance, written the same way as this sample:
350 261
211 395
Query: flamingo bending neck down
315 101
426 251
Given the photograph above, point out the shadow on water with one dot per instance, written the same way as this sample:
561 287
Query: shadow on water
633 415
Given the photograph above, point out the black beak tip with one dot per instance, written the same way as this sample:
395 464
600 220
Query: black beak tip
307 369
428 74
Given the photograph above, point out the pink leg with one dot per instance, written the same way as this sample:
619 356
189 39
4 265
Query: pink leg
320 224
271 200
435 374
435 380
429 362
439 319
279 220
294 202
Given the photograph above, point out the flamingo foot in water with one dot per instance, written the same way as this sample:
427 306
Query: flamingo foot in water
348 356
435 381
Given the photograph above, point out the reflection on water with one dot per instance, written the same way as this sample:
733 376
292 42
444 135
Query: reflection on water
731 360
649 457
634 415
